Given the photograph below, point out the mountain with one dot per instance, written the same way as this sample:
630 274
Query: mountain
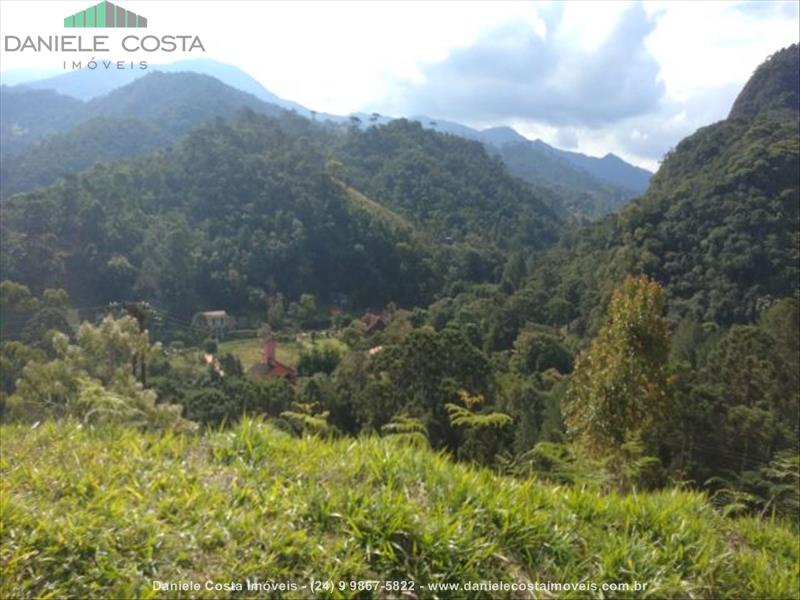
17 76
236 210
254 206
584 186
27 116
99 139
611 169
774 86
449 184
86 84
719 226
152 112
610 182
178 101
579 192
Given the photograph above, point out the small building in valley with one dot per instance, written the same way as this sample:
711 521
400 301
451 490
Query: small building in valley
270 366
218 321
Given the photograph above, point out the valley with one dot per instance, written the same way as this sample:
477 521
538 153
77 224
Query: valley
244 341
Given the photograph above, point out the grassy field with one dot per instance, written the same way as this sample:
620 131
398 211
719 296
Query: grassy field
103 513
249 350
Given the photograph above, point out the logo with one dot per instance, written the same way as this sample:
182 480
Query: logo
127 44
105 14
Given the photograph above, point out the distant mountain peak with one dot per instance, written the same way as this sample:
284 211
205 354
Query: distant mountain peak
501 135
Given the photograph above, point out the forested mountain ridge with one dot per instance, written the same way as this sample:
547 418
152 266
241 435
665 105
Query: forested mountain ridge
449 184
582 186
184 100
242 210
27 116
588 375
718 226
577 184
234 212
774 86
149 113
579 193
100 139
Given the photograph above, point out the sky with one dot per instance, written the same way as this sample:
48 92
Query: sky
632 78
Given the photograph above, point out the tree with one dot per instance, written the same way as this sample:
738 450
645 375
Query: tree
55 298
536 350
13 358
355 122
319 359
95 380
276 312
620 388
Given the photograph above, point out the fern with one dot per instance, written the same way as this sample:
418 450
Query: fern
408 429
306 419
463 416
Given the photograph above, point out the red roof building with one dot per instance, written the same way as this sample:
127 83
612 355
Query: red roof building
270 366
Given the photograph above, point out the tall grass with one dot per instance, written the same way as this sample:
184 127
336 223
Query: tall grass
103 512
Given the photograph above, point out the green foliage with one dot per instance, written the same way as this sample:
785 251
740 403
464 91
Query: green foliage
14 356
452 189
97 381
774 86
29 115
407 429
235 212
620 388
234 503
320 358
568 189
306 419
717 228
465 416
536 350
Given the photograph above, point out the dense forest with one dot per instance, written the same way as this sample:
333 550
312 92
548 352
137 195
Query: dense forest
655 349
243 209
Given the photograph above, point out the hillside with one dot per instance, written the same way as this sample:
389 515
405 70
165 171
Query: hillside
86 84
100 139
718 227
450 185
235 211
172 103
774 86
585 186
251 207
580 193
581 185
88 511
27 116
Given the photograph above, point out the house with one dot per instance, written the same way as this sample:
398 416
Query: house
373 323
270 366
217 321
